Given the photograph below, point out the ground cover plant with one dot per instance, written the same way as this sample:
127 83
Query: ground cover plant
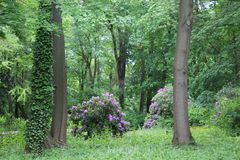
154 144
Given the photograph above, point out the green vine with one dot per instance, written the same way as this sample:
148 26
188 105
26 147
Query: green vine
41 85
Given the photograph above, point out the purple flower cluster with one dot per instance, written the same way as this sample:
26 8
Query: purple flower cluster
153 116
98 114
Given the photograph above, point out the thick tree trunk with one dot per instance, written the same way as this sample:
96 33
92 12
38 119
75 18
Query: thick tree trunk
182 134
57 135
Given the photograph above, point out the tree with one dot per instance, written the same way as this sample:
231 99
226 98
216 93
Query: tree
41 84
57 135
182 134
16 32
120 58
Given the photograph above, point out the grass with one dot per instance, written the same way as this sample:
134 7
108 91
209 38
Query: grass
212 144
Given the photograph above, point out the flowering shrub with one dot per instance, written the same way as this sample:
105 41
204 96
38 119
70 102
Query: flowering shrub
98 114
165 98
162 104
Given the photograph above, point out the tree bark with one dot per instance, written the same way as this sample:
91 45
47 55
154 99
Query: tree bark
149 99
57 135
182 134
120 58
121 64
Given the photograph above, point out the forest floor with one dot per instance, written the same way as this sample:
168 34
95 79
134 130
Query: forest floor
212 144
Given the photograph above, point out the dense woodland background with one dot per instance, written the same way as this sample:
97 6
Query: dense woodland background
145 30
125 47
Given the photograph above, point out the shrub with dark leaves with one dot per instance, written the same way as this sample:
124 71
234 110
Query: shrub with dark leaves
98 115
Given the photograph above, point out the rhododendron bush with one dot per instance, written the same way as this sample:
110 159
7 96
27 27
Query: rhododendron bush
97 115
162 105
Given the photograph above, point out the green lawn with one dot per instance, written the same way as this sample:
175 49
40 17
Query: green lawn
212 144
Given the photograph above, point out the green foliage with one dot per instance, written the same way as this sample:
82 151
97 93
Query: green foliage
8 140
208 82
21 94
214 59
152 144
8 124
41 85
229 92
198 116
228 116
17 31
136 119
164 122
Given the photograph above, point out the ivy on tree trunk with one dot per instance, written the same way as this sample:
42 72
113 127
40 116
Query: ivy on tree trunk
41 84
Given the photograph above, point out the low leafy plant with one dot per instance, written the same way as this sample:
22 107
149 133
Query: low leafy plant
8 124
98 115
198 116
227 116
136 119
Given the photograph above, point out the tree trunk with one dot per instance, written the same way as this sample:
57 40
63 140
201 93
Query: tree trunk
121 64
23 112
120 58
57 135
149 99
143 93
182 134
98 71
95 69
16 112
142 101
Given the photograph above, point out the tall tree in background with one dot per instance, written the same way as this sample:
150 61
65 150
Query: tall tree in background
182 134
120 57
57 135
